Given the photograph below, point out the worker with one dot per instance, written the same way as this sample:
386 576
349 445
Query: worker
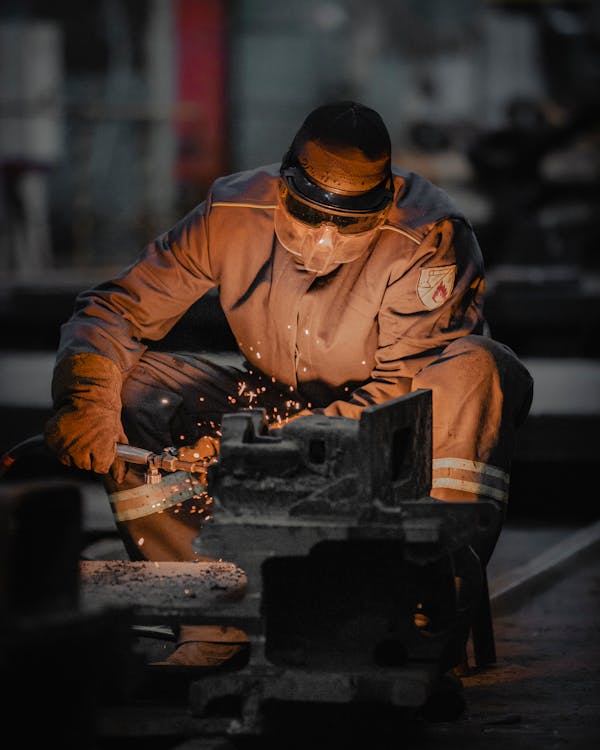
346 282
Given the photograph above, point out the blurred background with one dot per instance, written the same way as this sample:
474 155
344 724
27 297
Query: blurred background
116 115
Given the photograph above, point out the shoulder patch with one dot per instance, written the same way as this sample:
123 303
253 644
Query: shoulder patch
435 285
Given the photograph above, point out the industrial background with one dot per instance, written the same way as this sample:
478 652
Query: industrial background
116 115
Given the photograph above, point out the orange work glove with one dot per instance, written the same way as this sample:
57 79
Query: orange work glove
86 425
205 449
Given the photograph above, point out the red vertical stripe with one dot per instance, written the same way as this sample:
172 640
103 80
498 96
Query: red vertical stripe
202 91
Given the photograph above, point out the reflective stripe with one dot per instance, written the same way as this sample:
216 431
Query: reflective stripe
147 499
475 488
244 205
474 466
407 233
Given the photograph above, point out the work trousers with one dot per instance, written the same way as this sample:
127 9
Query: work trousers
481 393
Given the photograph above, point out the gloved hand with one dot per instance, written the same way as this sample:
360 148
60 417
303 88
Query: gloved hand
205 449
86 425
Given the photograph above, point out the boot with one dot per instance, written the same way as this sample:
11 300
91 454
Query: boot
208 647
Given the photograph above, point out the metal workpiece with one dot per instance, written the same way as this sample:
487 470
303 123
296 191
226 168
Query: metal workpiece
353 562
336 478
318 466
164 591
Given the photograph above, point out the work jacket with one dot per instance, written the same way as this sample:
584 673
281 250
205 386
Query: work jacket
353 337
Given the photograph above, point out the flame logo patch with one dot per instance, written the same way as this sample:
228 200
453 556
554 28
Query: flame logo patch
435 285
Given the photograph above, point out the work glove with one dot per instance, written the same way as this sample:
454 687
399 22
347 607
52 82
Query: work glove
86 425
205 450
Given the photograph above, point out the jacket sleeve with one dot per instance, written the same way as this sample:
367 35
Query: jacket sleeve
143 303
414 328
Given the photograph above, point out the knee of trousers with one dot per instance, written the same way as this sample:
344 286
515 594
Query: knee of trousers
477 359
479 355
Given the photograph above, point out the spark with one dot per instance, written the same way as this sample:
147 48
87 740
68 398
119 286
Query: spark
164 401
140 541
242 388
258 355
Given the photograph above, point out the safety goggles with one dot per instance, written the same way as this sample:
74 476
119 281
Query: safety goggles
310 213
323 246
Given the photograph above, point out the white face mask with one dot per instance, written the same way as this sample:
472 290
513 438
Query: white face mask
320 248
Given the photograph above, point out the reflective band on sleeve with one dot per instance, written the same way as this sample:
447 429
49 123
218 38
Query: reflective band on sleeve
474 477
475 488
475 466
153 498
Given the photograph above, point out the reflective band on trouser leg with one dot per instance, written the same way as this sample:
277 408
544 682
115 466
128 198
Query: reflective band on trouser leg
474 477
148 499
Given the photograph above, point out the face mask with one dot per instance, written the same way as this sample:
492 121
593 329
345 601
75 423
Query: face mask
321 247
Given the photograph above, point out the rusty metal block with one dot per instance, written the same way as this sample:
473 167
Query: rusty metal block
350 559
325 466
166 591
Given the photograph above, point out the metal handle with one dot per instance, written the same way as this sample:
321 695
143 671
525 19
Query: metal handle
133 455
